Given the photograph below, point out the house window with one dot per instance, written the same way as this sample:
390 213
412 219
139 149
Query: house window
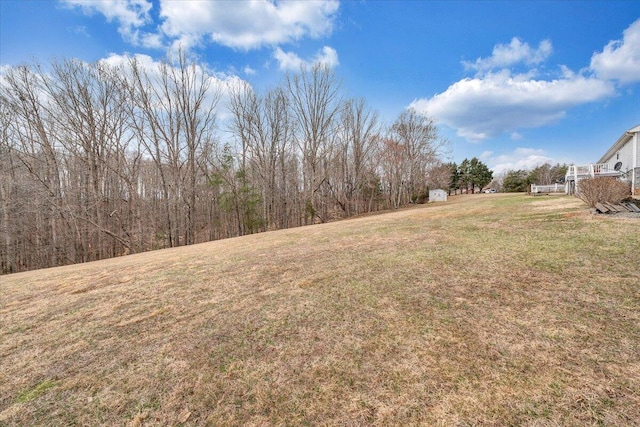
618 155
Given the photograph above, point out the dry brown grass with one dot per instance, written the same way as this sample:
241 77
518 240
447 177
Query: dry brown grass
487 310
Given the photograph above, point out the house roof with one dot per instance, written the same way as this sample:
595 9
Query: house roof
619 143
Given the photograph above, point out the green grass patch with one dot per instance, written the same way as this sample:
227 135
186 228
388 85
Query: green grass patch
35 392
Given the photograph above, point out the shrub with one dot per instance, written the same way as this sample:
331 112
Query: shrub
603 189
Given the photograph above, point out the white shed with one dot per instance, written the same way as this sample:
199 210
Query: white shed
437 196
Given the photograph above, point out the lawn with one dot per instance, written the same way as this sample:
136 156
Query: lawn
488 310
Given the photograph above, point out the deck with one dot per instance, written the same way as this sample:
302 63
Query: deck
577 172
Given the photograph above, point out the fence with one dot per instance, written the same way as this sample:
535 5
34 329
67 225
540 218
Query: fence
553 188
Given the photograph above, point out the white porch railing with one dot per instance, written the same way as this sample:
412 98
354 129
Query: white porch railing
577 172
592 170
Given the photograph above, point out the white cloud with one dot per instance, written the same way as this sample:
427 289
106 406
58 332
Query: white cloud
131 15
146 62
288 60
620 59
488 106
328 56
149 40
498 100
520 158
240 24
513 53
247 24
249 71
291 61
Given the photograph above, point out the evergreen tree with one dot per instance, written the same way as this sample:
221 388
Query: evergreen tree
481 175
515 181
472 174
454 179
464 173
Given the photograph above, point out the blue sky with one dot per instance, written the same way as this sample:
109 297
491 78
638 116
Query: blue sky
513 83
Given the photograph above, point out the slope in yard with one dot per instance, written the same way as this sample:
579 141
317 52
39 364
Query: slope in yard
486 310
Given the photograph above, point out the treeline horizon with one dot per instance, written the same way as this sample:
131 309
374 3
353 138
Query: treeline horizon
102 160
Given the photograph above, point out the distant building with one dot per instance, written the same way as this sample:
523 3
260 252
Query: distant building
437 196
622 160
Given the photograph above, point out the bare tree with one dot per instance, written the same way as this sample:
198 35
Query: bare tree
315 103
356 157
8 197
263 127
91 117
418 136
393 170
277 159
98 160
33 130
174 117
439 175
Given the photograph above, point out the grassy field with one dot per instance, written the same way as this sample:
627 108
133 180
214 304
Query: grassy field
487 310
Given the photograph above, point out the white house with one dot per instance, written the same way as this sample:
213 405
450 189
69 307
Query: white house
621 160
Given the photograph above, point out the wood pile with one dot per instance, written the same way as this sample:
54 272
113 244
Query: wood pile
609 208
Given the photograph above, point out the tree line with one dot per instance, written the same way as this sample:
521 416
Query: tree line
473 175
520 180
469 176
101 160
